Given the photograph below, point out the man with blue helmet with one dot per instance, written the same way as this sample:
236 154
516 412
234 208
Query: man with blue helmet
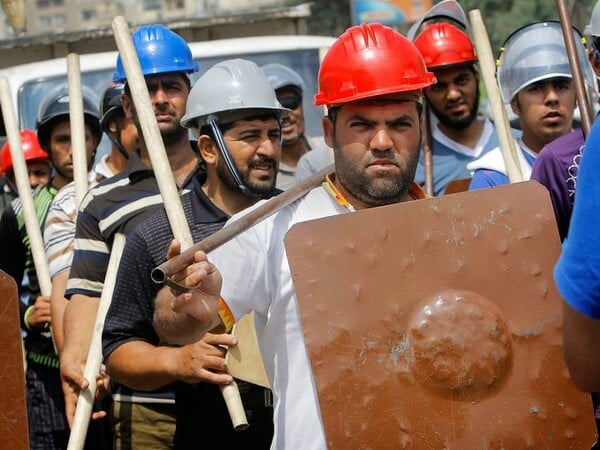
117 205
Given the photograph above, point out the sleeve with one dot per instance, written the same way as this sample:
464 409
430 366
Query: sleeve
131 311
483 178
59 234
548 171
577 273
90 257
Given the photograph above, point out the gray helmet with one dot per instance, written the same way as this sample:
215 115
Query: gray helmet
444 11
55 105
593 28
537 52
281 76
229 90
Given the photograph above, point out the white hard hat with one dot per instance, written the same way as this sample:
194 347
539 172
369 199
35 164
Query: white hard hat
593 28
230 90
442 11
537 52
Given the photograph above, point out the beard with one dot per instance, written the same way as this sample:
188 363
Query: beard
457 123
376 191
260 188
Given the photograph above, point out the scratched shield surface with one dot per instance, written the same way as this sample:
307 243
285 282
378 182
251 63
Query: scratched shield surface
13 412
436 324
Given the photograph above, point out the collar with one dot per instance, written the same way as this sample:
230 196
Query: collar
203 210
136 169
414 190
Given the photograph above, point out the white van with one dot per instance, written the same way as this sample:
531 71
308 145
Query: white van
29 82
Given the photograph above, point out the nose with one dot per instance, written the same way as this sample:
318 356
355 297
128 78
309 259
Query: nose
269 148
453 92
550 94
381 140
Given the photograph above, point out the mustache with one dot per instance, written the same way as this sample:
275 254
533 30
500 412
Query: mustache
261 162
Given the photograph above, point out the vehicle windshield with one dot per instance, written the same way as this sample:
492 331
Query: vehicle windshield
305 62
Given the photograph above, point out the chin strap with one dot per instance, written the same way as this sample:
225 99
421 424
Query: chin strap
213 123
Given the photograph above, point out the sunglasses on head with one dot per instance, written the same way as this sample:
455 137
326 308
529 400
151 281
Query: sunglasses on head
290 101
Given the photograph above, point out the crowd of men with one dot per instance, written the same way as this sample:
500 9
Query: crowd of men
233 139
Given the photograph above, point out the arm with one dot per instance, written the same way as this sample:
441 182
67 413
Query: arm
79 321
581 348
58 305
143 366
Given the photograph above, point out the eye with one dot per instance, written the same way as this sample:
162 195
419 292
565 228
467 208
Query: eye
437 88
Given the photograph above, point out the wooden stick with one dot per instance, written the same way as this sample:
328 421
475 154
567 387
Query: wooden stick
585 110
32 224
78 147
428 150
85 401
488 70
161 273
164 177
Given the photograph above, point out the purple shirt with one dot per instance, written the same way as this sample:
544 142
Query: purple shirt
556 167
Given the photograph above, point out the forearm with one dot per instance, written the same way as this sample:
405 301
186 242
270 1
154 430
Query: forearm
142 366
581 347
79 321
178 328
58 304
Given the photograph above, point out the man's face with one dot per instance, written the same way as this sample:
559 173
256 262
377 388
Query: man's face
292 124
38 172
376 148
545 110
61 150
168 95
255 146
454 99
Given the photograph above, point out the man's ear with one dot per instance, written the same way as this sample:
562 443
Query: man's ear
208 149
328 130
514 104
127 105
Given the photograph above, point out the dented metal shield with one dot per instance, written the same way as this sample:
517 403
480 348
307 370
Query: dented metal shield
13 419
436 324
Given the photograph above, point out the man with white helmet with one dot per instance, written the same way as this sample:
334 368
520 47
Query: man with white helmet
374 126
557 164
535 79
240 144
289 88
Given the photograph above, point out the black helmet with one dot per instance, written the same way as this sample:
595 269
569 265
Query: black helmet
55 105
111 104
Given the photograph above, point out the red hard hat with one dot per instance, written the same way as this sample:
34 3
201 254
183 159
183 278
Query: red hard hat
369 60
443 45
31 151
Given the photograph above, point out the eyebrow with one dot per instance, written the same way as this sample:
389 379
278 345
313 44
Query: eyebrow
400 119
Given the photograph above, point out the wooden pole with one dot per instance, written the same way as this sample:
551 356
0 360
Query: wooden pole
163 272
77 122
32 225
585 110
85 401
488 70
428 150
164 177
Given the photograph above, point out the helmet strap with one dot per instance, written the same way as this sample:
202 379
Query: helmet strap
115 138
213 122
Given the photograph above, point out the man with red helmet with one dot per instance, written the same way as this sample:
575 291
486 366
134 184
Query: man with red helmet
458 134
373 125
36 158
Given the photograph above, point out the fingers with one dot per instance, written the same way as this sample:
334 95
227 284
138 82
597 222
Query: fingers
220 339
174 249
72 374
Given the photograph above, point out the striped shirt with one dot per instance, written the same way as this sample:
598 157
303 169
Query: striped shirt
116 205
59 229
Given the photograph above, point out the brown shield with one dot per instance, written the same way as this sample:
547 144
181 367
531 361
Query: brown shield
436 324
13 419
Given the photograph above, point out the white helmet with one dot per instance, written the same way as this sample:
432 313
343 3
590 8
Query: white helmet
444 11
537 52
229 90
593 28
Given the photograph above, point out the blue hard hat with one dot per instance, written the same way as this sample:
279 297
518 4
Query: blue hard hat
159 50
